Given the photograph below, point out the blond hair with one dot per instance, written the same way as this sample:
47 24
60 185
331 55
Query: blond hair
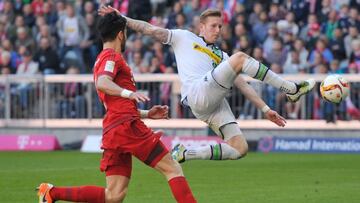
209 13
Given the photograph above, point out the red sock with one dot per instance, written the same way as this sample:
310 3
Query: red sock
90 194
181 190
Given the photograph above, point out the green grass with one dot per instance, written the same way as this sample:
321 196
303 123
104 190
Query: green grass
270 178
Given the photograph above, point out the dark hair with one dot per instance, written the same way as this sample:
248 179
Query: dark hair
110 25
209 13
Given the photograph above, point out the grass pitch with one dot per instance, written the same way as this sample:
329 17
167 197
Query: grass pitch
258 178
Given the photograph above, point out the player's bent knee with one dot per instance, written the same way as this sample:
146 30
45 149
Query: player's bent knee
115 197
169 167
239 143
237 61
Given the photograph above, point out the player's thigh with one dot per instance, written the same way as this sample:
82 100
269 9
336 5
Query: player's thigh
224 75
222 117
169 167
115 162
206 95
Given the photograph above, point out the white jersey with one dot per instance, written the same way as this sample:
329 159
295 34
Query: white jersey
194 57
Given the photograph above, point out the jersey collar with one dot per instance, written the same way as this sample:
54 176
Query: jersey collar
207 44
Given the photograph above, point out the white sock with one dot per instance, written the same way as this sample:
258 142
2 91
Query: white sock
259 71
221 151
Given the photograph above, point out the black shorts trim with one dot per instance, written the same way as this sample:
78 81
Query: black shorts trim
218 82
158 150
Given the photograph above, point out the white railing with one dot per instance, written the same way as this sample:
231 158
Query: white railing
46 97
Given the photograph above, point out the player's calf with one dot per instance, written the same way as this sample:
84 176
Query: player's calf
169 168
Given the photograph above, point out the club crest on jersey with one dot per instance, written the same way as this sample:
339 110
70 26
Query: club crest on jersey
109 66
215 53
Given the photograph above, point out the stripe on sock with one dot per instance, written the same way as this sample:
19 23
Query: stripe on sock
220 152
211 150
216 150
261 73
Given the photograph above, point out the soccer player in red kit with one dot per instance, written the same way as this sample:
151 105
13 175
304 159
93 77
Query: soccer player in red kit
124 134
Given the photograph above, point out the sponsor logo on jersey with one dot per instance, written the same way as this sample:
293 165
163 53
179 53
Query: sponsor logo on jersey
109 66
215 53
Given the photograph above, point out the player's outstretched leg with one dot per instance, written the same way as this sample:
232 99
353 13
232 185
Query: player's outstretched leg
235 148
49 194
177 182
240 62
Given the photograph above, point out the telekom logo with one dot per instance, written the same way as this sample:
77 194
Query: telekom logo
22 141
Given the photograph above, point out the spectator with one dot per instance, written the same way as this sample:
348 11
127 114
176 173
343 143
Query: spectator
140 9
49 14
27 68
5 61
8 11
180 21
91 46
308 29
72 31
176 9
72 103
269 41
260 28
344 18
300 48
192 10
288 25
353 35
331 24
37 6
293 63
19 22
137 64
28 14
255 15
355 54
47 58
23 38
278 53
44 31
324 11
276 13
60 10
337 46
353 19
321 48
239 32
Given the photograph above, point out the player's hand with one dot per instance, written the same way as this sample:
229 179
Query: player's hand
138 97
103 10
159 112
274 117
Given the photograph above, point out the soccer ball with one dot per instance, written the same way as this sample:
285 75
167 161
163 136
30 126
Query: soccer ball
334 89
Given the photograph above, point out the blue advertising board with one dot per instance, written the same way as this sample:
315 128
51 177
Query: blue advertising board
309 145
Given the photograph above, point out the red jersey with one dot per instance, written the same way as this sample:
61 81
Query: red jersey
118 109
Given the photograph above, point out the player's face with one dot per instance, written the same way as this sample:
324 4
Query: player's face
211 28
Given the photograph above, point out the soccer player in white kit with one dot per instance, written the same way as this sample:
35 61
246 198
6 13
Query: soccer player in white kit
207 75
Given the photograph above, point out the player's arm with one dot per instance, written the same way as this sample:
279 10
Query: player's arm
254 98
156 112
104 83
143 27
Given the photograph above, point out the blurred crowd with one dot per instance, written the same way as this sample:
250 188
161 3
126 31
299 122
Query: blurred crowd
289 36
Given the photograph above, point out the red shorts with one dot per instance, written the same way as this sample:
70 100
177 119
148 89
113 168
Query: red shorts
127 139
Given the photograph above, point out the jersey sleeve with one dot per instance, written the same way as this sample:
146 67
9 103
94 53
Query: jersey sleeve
109 65
175 36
